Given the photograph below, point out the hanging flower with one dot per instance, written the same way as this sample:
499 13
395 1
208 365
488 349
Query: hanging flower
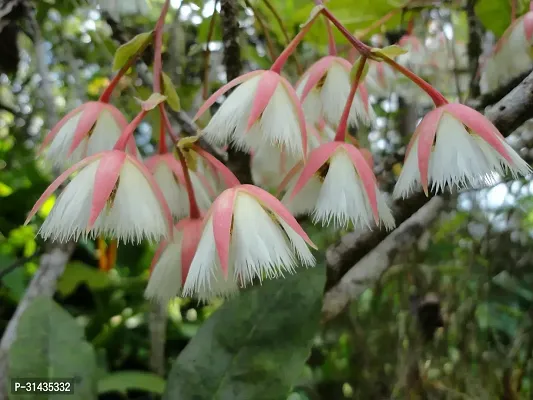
247 234
87 130
172 261
324 90
337 184
113 194
262 111
454 146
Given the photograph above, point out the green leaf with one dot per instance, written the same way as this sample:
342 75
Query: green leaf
169 90
77 273
495 15
131 380
513 285
255 345
389 51
153 101
128 50
50 344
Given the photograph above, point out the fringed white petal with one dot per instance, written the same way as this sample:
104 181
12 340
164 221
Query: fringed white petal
305 200
278 126
70 214
259 246
270 166
457 160
203 199
205 279
165 281
135 214
232 116
175 195
57 152
343 199
105 133
409 180
334 94
312 105
299 245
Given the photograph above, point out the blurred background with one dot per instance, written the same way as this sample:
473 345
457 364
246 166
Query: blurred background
448 317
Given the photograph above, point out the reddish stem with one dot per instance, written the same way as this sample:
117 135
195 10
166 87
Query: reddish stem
332 47
435 95
513 10
128 131
343 124
362 48
531 5
162 138
283 57
158 46
411 26
173 135
194 211
106 95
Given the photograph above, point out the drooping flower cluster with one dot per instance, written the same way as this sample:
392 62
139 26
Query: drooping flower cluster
217 235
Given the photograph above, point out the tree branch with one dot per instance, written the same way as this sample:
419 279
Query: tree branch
238 161
508 114
368 270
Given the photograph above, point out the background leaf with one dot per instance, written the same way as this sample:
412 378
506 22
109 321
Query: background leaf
254 346
50 344
131 380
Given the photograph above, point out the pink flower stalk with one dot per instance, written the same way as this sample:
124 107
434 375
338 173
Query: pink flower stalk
247 234
169 176
337 184
88 129
512 54
113 194
454 146
263 110
324 89
172 261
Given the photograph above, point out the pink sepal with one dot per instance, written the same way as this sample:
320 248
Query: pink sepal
230 180
299 112
192 232
58 181
157 192
105 179
265 90
211 100
425 132
315 73
55 130
85 124
367 177
279 209
222 212
480 125
317 159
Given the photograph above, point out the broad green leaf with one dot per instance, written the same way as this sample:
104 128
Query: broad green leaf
131 380
169 90
495 15
77 273
255 345
128 50
50 344
513 285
